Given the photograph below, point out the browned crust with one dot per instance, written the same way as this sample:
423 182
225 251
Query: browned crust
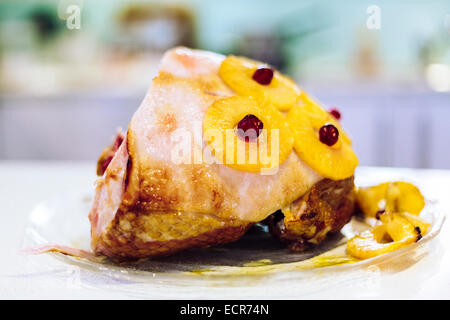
145 235
150 221
135 233
324 209
152 185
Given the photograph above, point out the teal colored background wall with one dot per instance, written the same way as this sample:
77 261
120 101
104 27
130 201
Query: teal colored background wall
405 27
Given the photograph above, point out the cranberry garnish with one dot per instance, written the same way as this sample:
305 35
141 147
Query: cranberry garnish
335 113
251 123
263 76
328 134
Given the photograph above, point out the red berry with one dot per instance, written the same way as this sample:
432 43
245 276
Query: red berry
335 113
252 123
117 142
263 76
328 134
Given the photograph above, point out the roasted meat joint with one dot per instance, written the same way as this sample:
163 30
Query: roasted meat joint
217 145
176 182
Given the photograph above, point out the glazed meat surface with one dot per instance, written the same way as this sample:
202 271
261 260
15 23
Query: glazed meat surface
147 205
324 209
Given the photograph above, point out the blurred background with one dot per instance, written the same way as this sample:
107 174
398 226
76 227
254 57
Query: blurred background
65 88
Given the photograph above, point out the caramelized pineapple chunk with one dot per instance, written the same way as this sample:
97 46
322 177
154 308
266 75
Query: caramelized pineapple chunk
371 200
238 72
335 162
399 228
397 206
417 222
390 196
395 232
365 246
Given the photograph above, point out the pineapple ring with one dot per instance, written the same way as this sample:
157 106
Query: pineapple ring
319 117
395 196
400 229
336 162
237 72
219 127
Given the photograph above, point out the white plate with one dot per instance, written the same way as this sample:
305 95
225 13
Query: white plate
254 262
